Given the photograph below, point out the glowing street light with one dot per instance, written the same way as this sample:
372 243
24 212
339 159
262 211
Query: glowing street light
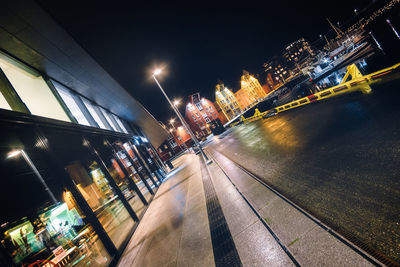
157 72
176 102
16 153
171 121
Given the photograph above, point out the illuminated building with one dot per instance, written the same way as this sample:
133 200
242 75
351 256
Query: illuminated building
199 113
252 87
243 99
297 54
75 148
227 101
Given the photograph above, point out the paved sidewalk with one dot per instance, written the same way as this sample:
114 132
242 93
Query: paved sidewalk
174 231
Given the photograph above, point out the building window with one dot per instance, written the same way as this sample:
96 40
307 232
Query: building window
207 119
94 114
121 125
3 103
109 120
71 104
33 91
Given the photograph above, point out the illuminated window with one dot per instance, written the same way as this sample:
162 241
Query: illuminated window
94 114
121 125
3 103
71 104
33 91
109 120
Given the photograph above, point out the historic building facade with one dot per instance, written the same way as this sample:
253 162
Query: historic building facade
227 101
252 87
199 113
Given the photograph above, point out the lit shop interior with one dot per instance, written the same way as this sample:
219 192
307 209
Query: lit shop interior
75 178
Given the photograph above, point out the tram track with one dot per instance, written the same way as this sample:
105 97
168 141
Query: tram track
372 256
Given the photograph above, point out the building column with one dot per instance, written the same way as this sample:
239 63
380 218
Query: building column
143 163
132 184
138 172
110 180
90 216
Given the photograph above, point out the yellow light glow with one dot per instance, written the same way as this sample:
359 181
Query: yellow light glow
157 71
14 153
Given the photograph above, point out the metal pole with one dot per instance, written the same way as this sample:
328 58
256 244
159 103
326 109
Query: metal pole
183 121
35 170
393 29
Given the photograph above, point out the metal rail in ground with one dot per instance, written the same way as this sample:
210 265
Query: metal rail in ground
374 257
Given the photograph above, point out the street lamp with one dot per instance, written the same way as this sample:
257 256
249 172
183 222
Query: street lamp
157 72
177 102
171 121
16 153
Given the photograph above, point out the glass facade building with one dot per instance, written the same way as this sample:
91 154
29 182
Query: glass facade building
76 176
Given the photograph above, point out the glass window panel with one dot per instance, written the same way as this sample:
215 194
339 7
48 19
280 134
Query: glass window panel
71 104
103 201
121 125
32 228
107 116
34 92
3 103
94 114
124 182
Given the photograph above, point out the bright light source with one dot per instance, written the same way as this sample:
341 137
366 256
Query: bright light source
157 71
172 120
13 154
176 102
338 80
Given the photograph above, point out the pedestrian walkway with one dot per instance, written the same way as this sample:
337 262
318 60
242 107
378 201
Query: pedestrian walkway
198 218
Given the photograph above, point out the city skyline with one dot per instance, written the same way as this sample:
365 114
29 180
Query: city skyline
199 45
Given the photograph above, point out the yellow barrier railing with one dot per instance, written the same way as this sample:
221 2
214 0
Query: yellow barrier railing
358 82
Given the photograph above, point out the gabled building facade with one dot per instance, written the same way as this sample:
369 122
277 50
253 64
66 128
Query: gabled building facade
199 113
252 87
227 101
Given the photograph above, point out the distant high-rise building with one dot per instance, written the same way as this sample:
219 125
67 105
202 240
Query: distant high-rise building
297 53
227 101
252 87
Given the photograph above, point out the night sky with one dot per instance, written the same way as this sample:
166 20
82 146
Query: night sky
198 42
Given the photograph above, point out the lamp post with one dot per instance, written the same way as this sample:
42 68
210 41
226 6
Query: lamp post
171 121
28 160
157 72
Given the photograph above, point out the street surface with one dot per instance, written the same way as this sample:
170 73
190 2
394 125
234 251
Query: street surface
338 159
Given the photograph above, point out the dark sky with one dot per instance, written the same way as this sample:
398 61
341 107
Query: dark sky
199 42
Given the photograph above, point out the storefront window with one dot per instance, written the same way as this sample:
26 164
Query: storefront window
34 229
133 198
71 104
103 201
139 168
94 114
33 91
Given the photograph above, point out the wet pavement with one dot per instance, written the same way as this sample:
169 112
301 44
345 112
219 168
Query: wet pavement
338 159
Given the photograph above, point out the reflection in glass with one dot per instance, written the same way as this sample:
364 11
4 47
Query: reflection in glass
139 168
132 198
55 235
103 201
